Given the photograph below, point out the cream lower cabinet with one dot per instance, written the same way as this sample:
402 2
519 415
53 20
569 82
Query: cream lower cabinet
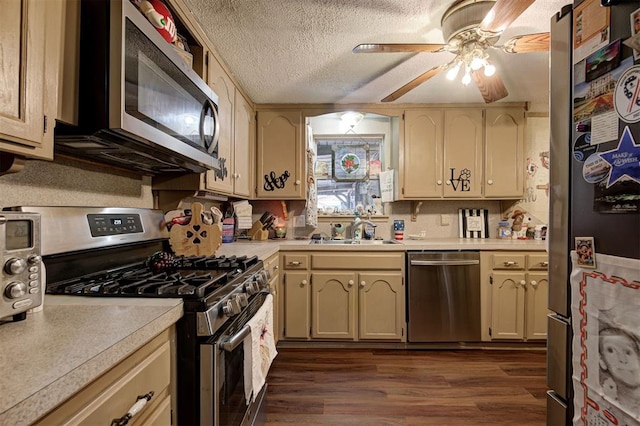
518 286
112 395
347 296
31 33
271 265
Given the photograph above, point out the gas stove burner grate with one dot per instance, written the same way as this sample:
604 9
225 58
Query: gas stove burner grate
137 281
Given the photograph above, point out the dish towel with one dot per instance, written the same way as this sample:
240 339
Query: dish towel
386 186
260 350
311 218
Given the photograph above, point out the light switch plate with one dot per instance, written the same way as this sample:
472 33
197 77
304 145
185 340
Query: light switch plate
444 220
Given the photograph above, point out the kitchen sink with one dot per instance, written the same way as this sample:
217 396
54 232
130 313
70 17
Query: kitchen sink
353 242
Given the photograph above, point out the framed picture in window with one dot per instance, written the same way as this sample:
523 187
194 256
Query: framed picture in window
350 163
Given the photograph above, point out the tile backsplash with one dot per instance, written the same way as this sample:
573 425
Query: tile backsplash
70 183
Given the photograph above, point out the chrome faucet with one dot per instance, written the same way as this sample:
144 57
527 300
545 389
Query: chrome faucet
356 225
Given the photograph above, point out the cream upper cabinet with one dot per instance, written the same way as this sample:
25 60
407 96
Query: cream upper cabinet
463 153
463 137
504 153
244 137
30 57
519 285
219 81
280 155
422 172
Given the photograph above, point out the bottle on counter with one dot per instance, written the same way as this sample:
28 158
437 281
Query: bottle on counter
504 230
228 226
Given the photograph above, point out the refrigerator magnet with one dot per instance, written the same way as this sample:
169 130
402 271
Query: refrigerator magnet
586 252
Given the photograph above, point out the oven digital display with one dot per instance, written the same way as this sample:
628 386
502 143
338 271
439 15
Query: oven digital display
18 234
103 225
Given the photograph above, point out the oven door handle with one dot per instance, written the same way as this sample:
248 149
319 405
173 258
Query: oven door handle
231 343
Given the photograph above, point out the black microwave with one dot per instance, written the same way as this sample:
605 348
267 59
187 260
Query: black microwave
140 105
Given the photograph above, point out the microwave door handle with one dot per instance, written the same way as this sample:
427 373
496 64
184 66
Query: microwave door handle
211 144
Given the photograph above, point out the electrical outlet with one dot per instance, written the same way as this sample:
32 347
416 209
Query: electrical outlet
444 220
299 222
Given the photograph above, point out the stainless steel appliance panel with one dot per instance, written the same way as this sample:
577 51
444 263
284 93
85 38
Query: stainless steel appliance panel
560 107
557 411
559 355
443 293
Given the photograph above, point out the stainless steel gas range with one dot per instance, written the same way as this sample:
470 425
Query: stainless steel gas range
124 252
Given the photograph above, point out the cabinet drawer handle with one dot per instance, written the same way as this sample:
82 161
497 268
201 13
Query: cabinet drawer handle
544 264
362 283
510 263
135 409
534 283
294 263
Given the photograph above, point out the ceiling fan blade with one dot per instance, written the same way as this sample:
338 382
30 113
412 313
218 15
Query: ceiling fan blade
414 83
492 88
397 47
538 42
502 14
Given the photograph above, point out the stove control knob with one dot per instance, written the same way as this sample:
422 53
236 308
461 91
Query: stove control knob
252 287
15 290
15 266
232 307
242 299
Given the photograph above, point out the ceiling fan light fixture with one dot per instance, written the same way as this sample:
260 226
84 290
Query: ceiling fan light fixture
466 79
453 72
489 70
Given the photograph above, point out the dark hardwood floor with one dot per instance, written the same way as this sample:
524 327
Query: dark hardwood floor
407 387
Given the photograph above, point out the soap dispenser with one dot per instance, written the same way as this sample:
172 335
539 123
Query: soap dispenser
357 233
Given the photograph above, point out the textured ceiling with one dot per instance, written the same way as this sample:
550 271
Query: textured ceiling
300 51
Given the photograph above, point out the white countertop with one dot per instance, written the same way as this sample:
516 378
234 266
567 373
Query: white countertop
264 249
73 340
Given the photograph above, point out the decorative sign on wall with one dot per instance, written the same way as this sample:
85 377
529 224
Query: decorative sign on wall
461 183
272 181
350 163
223 172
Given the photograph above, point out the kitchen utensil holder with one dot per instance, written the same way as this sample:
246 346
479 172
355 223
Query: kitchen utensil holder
257 233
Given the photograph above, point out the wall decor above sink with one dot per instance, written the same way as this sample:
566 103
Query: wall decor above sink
350 163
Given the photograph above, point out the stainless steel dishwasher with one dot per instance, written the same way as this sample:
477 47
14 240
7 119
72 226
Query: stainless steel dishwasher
443 296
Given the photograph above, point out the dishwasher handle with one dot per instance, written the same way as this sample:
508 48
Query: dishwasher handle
444 262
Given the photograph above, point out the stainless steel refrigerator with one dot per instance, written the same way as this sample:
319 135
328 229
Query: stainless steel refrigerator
594 219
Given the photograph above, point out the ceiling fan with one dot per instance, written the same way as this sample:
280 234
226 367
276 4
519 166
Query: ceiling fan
471 28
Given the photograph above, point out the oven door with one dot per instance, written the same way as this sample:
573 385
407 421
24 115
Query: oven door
222 377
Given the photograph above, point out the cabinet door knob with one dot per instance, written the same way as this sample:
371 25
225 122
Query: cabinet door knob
237 175
297 182
448 182
303 282
490 182
439 182
350 283
534 283
275 267
523 283
362 283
